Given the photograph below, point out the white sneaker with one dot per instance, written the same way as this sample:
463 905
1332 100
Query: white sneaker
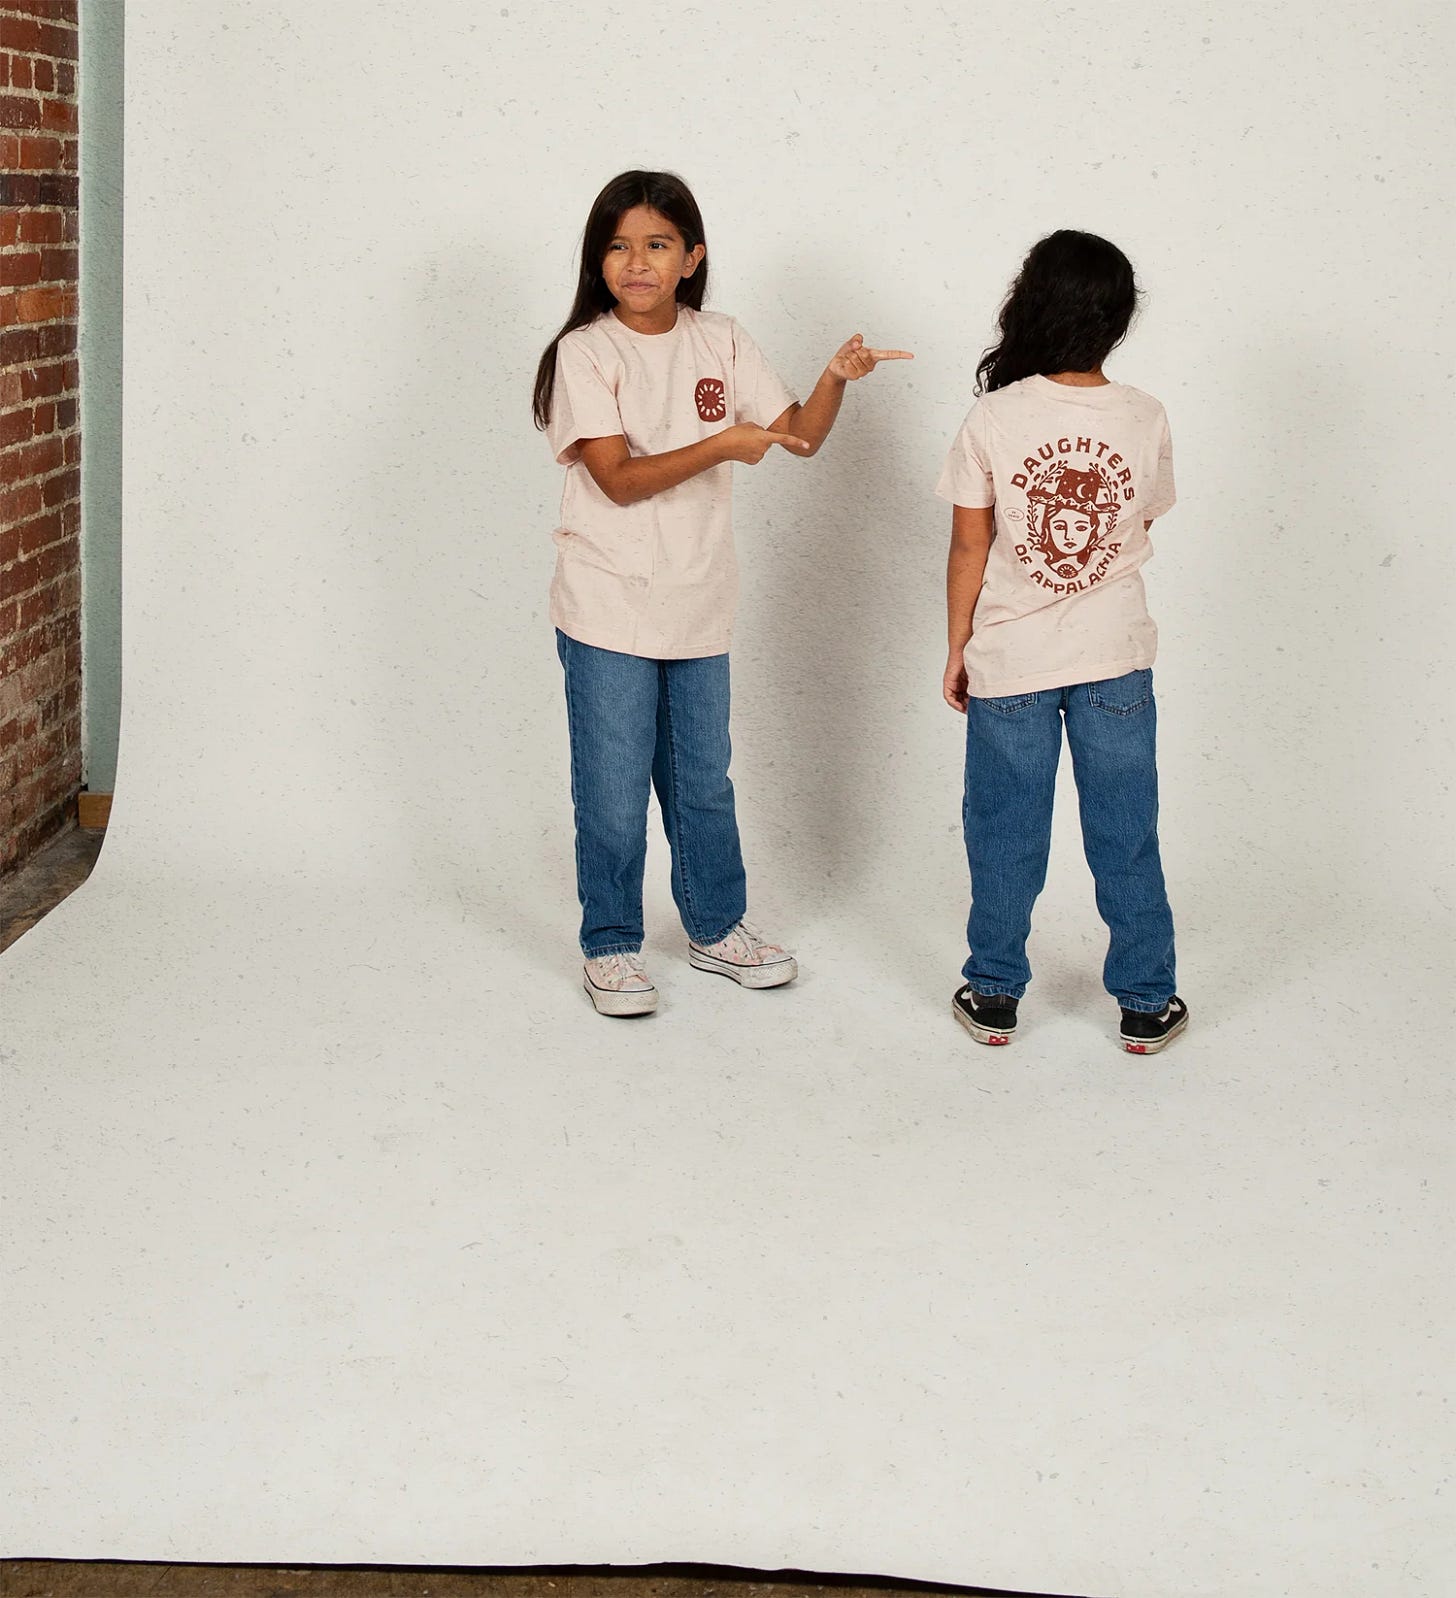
746 956
618 984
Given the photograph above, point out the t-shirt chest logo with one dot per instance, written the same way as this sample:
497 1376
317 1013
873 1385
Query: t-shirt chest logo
1071 512
711 400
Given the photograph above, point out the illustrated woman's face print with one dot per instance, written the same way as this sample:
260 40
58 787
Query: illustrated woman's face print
1070 531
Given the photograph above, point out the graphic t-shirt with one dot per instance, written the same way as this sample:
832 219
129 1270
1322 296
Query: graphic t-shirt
1073 473
658 578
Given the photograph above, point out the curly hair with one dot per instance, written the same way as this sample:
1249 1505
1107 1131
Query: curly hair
1069 308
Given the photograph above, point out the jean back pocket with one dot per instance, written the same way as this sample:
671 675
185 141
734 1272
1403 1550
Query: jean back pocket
1122 696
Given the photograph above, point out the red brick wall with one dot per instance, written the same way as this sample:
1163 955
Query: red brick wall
40 436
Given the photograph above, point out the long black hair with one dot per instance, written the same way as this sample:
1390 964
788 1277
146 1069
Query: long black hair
1069 308
664 192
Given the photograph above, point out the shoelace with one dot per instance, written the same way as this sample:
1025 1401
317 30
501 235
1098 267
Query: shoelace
749 940
617 966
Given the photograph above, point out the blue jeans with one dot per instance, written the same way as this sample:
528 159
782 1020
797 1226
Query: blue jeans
637 723
1012 748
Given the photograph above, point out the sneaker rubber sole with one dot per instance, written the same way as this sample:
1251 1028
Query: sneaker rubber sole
1155 1045
606 1001
774 975
982 1034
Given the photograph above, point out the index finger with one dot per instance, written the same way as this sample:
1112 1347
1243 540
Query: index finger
788 438
889 355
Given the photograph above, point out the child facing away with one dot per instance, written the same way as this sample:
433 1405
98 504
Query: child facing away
1056 476
647 400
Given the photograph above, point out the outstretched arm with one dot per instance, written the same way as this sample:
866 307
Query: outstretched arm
970 543
813 419
625 478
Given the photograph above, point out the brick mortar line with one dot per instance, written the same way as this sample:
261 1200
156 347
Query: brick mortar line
25 443
60 615
64 615
48 697
28 443
59 694
44 476
63 644
71 613
33 709
60 504
45 774
65 538
68 614
73 537
63 433
48 510
35 588
49 732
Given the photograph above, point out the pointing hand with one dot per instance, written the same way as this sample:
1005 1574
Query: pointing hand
853 359
749 444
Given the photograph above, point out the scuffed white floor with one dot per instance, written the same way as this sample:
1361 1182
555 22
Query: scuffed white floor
338 1228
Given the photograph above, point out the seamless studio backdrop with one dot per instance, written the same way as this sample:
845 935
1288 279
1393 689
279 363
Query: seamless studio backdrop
338 1228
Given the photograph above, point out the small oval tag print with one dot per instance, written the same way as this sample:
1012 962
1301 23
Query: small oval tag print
712 406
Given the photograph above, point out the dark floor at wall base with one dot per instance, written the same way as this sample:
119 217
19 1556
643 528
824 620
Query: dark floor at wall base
74 1579
49 876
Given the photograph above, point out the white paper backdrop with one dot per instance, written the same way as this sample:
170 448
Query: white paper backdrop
338 1228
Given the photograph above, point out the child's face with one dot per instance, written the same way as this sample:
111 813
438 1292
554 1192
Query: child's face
1070 530
645 261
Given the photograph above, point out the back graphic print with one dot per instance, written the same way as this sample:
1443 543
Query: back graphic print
1073 474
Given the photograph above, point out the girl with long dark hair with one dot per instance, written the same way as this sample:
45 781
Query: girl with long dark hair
1056 476
648 400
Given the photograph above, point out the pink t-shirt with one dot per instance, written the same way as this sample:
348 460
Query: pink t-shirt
658 578
1073 473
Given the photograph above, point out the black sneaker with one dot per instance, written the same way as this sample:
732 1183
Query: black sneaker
988 1017
1143 1033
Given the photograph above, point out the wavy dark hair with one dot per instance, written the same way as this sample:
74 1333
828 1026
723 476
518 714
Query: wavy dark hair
664 192
1069 308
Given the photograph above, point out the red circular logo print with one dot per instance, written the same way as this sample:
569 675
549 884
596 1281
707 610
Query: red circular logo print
712 405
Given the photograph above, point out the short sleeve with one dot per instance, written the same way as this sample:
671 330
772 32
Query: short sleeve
582 403
760 395
966 479
1164 496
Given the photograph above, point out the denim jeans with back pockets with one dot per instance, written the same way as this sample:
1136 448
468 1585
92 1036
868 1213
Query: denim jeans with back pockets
637 723
1012 748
